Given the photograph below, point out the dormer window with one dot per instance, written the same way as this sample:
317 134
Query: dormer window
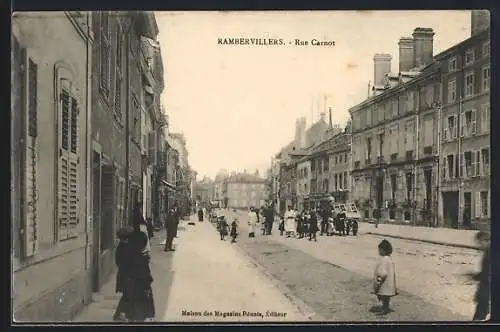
469 57
452 64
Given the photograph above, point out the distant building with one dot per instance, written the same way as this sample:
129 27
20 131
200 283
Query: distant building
245 190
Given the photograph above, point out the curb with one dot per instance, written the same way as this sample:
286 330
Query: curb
455 245
304 309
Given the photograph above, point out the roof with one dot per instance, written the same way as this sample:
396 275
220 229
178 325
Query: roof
245 177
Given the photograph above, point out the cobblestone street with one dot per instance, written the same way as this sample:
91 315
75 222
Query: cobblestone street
333 275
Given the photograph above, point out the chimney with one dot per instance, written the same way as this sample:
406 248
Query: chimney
479 21
330 117
405 54
382 66
423 44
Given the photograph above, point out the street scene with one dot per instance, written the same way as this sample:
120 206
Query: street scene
263 167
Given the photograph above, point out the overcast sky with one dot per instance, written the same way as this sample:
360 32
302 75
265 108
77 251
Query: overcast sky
237 105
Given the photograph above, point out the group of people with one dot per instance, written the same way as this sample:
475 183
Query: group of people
301 224
132 257
263 217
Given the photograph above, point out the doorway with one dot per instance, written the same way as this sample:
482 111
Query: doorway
428 188
450 208
467 210
96 218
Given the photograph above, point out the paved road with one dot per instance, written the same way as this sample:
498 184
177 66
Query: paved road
333 275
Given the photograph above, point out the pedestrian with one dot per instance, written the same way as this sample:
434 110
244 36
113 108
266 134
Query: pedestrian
313 225
482 296
290 221
300 222
281 226
171 229
141 294
234 230
123 254
324 220
200 215
384 277
140 225
252 222
223 227
269 216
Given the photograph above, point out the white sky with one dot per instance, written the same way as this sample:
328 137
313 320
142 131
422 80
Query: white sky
237 105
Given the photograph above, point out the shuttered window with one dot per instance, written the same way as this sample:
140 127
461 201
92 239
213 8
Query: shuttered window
29 201
105 52
107 207
68 189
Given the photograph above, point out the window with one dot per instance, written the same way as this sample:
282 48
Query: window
482 204
381 145
428 131
411 101
485 161
369 149
105 54
469 57
469 163
395 106
68 168
336 179
476 163
452 90
469 84
450 167
345 180
409 185
345 157
26 83
452 64
486 78
486 48
468 123
409 136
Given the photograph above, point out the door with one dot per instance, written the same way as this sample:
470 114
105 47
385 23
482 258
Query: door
96 217
450 208
467 209
379 191
428 188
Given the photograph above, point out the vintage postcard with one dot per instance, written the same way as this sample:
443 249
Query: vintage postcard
264 166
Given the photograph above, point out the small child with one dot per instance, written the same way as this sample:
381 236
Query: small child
234 233
281 226
384 277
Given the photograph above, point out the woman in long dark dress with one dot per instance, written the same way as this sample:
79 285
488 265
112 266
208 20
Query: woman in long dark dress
123 281
200 215
142 293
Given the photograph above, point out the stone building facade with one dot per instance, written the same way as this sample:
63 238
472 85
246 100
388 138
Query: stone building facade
465 131
245 190
394 140
51 197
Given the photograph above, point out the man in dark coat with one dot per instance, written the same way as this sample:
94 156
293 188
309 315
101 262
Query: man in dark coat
172 223
324 220
269 214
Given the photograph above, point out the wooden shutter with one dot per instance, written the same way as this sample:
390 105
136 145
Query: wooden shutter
477 207
107 205
68 179
461 165
444 168
473 122
29 227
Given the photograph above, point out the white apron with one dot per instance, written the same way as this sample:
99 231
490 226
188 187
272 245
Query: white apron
290 223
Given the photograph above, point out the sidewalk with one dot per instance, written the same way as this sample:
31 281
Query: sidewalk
214 282
104 303
444 236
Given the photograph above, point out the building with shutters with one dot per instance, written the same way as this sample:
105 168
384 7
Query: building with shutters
51 165
465 129
421 142
394 136
121 87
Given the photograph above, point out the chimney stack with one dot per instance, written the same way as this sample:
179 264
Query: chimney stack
406 54
423 39
382 66
330 117
479 21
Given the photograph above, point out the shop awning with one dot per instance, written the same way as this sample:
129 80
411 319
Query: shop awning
171 186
